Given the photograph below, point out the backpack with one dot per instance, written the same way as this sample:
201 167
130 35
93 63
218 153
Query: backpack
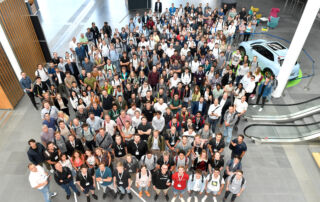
242 182
90 129
154 159
192 177
141 88
210 178
147 174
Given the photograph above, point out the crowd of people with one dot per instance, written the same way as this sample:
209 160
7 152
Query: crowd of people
151 106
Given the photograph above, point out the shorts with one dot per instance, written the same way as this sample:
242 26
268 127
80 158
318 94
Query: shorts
177 191
211 191
87 189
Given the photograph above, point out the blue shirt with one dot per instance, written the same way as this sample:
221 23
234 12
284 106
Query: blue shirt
172 10
104 175
114 55
25 83
200 107
51 124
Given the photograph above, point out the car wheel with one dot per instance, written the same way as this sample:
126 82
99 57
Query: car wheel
242 51
267 72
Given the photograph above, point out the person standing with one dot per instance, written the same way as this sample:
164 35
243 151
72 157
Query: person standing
136 147
158 7
238 147
86 181
235 186
196 185
63 177
214 114
39 179
265 90
26 85
161 181
44 76
230 119
180 180
122 181
104 178
36 153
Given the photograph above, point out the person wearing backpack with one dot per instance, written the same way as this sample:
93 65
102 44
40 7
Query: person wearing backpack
149 160
214 185
143 180
181 160
235 186
196 185
88 136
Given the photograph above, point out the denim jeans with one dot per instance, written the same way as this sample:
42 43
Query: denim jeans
228 133
124 190
213 124
46 193
67 186
143 188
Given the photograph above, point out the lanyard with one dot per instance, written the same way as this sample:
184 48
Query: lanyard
120 148
119 176
180 179
102 173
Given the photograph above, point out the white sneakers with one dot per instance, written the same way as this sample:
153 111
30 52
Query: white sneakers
260 109
204 198
195 199
189 199
254 106
181 199
173 199
214 199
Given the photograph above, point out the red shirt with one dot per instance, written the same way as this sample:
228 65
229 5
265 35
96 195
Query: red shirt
180 180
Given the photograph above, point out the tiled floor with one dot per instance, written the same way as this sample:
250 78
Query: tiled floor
273 172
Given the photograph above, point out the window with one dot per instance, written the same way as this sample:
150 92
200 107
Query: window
264 52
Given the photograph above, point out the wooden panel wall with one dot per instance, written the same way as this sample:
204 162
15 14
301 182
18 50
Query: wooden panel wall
16 22
10 90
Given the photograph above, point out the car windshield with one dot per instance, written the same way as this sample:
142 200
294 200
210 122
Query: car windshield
276 46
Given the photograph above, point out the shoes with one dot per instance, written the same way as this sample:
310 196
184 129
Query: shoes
121 196
156 197
181 199
88 198
189 199
115 195
254 106
173 199
167 197
140 194
147 193
104 195
214 199
95 196
260 109
68 197
53 194
130 196
254 97
223 200
204 198
78 193
195 199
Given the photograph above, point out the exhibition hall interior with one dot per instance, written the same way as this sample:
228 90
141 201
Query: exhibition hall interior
160 100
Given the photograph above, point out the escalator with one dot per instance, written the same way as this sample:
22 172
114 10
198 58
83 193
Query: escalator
285 122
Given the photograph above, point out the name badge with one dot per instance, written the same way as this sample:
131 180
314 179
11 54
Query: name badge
130 170
87 184
137 153
179 185
101 182
120 153
56 158
120 182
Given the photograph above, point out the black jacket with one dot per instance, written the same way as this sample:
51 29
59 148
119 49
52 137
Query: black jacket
63 176
224 108
214 146
75 69
160 180
225 79
156 7
78 146
55 78
83 181
107 102
36 156
65 102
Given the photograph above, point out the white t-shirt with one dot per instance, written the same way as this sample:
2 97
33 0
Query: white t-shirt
73 45
214 184
131 112
109 127
170 52
240 106
216 110
36 178
42 74
160 107
184 52
136 121
194 66
174 82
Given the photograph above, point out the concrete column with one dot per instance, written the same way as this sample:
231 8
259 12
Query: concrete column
9 52
299 38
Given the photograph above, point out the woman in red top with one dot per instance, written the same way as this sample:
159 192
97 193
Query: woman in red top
201 162
180 180
77 160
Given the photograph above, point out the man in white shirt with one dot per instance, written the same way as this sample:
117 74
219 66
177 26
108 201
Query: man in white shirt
241 107
184 51
109 125
215 184
170 51
142 91
73 45
136 120
104 50
195 65
133 109
158 122
214 114
38 179
43 74
174 81
249 87
160 106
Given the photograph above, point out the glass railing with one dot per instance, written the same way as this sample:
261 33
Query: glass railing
282 109
283 132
